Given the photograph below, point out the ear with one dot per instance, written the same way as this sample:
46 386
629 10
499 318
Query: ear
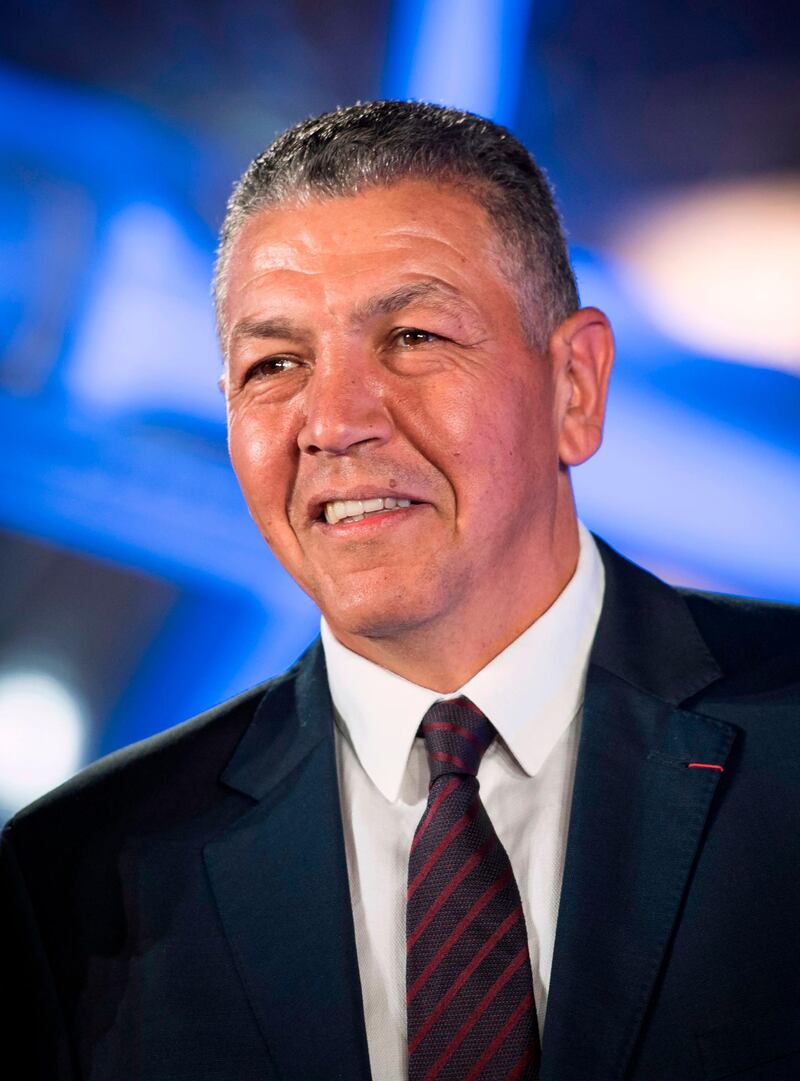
582 353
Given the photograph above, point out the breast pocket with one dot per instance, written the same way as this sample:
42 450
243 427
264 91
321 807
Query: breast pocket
761 1047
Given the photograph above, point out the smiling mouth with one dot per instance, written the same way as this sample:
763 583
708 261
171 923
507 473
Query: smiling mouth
354 510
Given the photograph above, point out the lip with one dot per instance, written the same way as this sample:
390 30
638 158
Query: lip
316 504
372 524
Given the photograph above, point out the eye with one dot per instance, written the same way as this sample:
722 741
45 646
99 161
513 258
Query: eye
408 337
272 366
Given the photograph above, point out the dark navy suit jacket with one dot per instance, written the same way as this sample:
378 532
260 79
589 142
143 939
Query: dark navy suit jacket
180 910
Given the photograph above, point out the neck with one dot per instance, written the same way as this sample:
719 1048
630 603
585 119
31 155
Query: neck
445 655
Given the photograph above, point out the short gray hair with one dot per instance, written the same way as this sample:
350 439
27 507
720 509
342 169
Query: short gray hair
379 143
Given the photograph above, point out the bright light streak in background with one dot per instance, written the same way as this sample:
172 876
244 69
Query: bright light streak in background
147 339
42 735
464 53
718 269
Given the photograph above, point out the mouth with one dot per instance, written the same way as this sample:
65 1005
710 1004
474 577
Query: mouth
344 511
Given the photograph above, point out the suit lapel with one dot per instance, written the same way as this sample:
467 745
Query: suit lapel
279 878
638 818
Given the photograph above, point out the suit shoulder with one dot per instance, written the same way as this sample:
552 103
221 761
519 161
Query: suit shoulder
175 772
747 634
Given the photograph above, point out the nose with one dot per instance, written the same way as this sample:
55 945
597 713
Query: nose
345 408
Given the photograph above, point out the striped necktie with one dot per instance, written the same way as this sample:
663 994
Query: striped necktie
469 992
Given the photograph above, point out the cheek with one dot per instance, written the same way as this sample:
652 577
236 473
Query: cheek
451 422
498 448
248 452
480 423
456 417
260 461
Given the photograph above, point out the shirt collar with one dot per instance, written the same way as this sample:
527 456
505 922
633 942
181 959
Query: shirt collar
531 691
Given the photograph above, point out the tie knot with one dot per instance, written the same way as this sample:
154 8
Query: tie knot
456 735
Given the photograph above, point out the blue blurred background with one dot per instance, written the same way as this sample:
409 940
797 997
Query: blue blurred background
135 589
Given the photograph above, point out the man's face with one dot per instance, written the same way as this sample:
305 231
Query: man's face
376 354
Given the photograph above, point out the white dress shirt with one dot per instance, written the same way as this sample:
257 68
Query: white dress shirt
533 694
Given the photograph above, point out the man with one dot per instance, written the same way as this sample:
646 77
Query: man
307 882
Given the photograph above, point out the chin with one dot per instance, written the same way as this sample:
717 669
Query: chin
372 618
361 623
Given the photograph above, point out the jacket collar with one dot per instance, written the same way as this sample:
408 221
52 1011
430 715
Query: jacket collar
647 636
292 719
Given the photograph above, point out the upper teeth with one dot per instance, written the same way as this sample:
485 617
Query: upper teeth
356 509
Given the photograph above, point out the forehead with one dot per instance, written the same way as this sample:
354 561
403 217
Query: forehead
337 250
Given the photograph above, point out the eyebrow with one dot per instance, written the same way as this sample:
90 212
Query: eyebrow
384 304
403 296
270 327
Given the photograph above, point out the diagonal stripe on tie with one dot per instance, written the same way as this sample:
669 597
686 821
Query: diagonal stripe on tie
451 834
461 979
497 1042
431 811
477 1013
470 1006
448 726
458 931
454 882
